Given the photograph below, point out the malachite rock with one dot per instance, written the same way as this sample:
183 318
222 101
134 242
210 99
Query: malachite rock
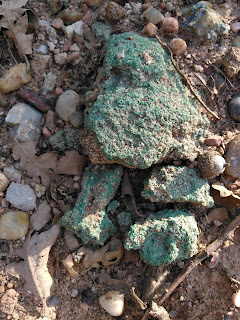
66 139
141 113
165 237
88 219
205 22
177 184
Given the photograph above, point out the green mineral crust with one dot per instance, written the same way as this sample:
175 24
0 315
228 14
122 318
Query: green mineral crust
88 219
177 184
143 112
165 237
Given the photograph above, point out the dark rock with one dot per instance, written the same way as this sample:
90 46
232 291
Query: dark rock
234 107
88 296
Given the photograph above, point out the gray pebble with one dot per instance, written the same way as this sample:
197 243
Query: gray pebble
26 122
53 301
21 196
66 104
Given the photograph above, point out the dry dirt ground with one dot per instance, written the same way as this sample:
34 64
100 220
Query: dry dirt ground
206 293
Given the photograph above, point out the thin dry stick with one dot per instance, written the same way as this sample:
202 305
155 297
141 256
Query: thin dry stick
227 235
143 305
219 71
185 78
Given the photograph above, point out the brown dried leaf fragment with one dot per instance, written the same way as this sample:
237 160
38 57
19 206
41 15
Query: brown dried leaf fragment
17 33
33 269
72 163
11 10
35 166
46 166
223 196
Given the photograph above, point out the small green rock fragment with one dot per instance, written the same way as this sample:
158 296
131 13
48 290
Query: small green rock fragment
88 219
113 205
66 139
164 237
177 184
124 219
102 30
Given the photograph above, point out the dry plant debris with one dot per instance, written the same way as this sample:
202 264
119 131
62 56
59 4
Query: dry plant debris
47 165
34 252
16 24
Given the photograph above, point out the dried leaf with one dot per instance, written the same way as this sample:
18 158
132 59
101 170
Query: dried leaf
223 196
46 166
11 10
69 265
35 166
33 269
109 254
41 216
17 33
75 160
127 189
17 24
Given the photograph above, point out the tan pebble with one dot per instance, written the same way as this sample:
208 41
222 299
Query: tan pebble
57 24
178 46
2 289
53 204
73 56
74 47
76 178
150 30
145 6
201 140
13 225
236 299
219 214
4 182
56 211
113 302
229 134
58 91
84 8
9 285
46 132
170 25
214 140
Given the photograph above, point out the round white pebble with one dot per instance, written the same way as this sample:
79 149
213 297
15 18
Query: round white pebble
236 299
113 302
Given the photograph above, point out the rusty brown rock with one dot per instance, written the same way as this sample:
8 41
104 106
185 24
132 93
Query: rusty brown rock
150 29
33 99
170 25
213 141
9 301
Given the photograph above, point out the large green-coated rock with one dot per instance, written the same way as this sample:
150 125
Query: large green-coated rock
165 237
143 112
88 219
177 184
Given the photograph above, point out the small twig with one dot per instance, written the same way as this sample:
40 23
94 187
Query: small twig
204 83
143 305
10 51
235 281
227 235
185 78
225 77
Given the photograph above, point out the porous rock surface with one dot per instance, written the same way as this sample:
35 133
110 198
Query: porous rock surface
177 184
143 113
164 237
88 219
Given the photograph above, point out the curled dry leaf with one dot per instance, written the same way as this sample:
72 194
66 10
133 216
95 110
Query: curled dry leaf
69 265
46 166
223 196
127 190
41 216
86 257
17 24
33 269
